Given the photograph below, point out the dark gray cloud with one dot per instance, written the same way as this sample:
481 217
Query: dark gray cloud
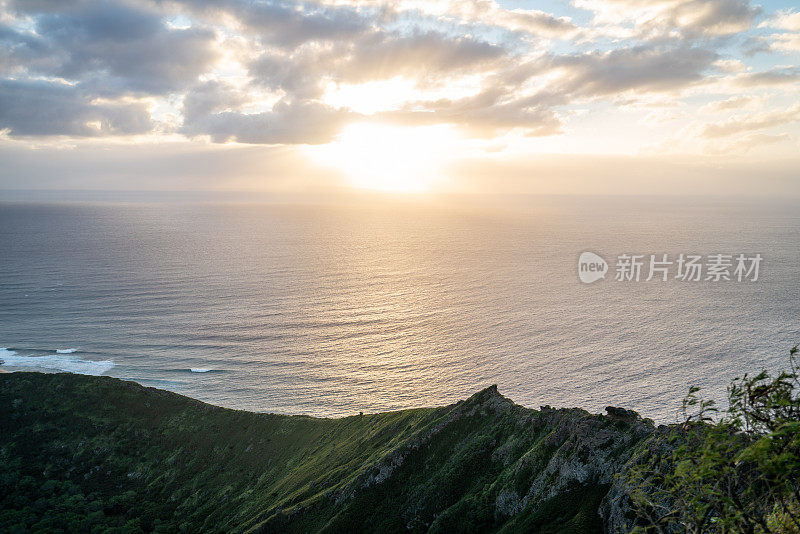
301 74
22 51
40 108
211 98
119 47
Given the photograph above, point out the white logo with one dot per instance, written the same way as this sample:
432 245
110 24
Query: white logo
591 267
718 268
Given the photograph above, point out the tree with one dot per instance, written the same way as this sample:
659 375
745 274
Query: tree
738 472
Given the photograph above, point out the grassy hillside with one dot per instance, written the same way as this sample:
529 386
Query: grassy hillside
85 454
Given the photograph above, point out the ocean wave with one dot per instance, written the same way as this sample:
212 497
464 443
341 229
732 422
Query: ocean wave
41 349
50 362
193 370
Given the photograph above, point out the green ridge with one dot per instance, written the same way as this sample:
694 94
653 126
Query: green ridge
98 454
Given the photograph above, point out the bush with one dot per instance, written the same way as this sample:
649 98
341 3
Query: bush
738 471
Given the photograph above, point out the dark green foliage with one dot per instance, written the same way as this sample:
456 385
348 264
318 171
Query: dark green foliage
96 454
79 452
740 473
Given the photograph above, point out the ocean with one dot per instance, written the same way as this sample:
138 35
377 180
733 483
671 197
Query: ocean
331 310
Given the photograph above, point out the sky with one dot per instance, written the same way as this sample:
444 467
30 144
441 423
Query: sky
406 96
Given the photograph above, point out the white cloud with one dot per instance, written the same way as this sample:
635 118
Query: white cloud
687 19
735 103
747 143
785 42
752 122
784 20
730 65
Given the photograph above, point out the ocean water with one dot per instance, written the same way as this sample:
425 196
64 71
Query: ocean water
330 310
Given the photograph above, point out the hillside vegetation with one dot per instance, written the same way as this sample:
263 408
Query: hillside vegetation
98 454
82 453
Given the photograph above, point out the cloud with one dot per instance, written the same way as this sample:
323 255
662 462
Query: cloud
776 76
658 117
301 76
286 24
261 72
283 24
788 19
532 21
748 143
485 115
22 51
286 123
40 108
117 47
785 42
643 69
562 80
210 98
374 56
485 13
733 103
426 54
752 122
730 65
687 19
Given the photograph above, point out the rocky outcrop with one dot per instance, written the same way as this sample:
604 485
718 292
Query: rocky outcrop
534 457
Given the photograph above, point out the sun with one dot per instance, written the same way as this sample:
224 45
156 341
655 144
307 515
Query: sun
390 158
